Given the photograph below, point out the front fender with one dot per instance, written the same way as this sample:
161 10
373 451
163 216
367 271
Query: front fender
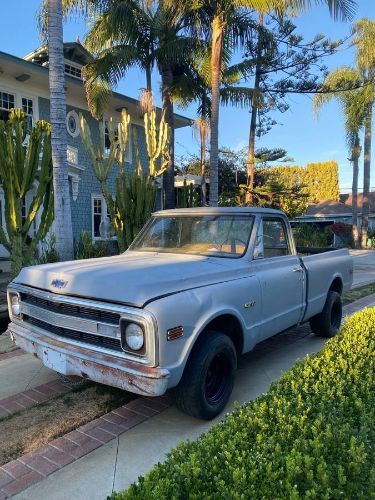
195 309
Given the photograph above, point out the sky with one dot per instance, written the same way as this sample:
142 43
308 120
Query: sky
304 137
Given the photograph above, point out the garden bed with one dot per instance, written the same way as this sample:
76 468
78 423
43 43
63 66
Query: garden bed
29 429
310 436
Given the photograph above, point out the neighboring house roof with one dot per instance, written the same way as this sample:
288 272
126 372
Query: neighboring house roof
342 207
328 207
347 199
196 180
23 69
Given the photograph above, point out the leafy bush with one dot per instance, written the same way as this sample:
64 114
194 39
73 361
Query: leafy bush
344 232
310 235
49 252
311 436
86 249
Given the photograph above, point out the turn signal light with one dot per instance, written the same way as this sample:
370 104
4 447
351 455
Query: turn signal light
175 333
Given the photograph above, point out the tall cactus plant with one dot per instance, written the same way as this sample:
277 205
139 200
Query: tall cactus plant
156 141
187 196
135 192
21 172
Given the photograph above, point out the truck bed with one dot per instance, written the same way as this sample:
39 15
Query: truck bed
323 268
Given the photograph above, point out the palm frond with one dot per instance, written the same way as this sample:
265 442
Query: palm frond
237 96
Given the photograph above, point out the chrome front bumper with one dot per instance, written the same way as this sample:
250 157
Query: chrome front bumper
97 366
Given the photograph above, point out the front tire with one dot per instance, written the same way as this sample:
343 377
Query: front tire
328 322
208 379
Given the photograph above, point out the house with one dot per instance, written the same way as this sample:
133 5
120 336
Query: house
24 84
329 212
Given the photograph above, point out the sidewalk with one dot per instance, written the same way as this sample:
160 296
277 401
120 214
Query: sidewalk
118 463
364 267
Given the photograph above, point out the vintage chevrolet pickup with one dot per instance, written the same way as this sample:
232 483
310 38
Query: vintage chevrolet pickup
195 290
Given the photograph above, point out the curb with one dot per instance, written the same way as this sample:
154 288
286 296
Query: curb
11 354
19 474
32 397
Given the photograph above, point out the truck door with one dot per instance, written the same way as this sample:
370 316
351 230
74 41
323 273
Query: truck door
280 275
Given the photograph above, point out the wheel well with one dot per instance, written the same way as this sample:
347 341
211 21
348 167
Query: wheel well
230 326
336 286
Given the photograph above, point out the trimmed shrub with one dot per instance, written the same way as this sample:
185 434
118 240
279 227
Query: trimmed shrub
311 436
87 249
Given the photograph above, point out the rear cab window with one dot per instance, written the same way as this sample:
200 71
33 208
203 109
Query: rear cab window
272 239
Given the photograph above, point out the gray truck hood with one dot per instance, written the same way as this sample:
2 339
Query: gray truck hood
133 278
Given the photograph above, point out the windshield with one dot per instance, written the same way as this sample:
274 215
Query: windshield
213 235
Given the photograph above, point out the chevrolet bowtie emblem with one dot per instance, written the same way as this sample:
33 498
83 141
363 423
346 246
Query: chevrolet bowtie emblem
59 283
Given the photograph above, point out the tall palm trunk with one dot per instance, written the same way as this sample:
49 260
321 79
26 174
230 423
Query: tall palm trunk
203 138
366 175
146 100
355 157
63 216
216 59
253 121
168 177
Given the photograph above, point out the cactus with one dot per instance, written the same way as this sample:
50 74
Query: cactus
135 192
156 143
187 196
19 170
102 163
135 198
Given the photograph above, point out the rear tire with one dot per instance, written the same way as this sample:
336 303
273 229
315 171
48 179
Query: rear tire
328 322
208 378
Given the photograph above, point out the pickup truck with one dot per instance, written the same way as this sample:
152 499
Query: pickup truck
196 289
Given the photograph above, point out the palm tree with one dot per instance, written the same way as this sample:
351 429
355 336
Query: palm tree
364 42
130 33
63 217
228 27
193 84
353 102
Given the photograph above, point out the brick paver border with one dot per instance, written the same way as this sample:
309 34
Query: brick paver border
31 468
12 354
32 397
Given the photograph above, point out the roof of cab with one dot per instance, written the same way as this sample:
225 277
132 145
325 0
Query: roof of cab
218 211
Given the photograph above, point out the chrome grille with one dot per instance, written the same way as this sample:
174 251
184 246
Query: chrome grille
87 338
72 309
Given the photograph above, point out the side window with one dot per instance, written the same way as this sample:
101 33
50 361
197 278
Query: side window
272 239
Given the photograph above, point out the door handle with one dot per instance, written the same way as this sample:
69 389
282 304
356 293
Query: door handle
297 270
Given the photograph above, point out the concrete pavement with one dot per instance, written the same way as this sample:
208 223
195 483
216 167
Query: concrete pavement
364 267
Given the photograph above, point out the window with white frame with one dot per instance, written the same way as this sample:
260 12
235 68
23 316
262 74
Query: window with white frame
107 140
73 71
28 109
100 212
9 101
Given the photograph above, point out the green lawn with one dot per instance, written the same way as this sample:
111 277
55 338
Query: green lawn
358 293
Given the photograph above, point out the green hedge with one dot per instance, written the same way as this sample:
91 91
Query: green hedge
311 436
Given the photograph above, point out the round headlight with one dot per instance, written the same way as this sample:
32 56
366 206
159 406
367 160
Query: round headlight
134 336
15 305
